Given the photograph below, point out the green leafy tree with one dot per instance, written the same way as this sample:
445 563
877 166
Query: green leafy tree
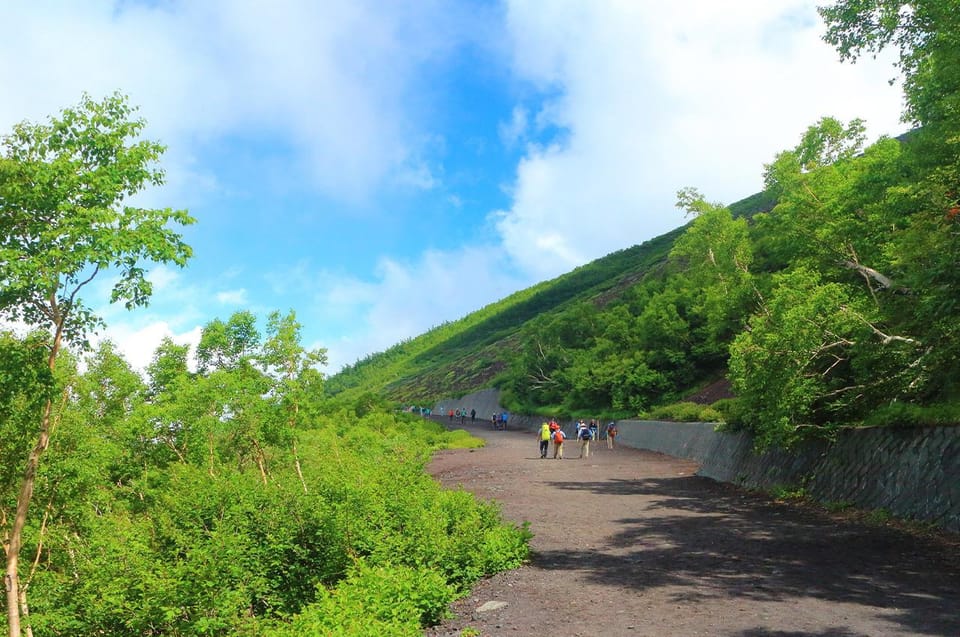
64 220
295 370
169 363
714 257
925 36
792 367
227 345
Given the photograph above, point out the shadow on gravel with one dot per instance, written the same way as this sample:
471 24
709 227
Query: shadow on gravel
713 541
830 632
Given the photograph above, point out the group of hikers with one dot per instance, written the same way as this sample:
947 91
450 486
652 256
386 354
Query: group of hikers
553 432
498 420
550 432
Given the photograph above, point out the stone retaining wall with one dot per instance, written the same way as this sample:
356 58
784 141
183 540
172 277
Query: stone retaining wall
910 472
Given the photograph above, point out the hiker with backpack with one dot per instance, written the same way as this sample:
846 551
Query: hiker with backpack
611 434
558 444
544 439
584 436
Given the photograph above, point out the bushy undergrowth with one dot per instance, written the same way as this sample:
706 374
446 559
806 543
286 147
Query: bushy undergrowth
366 544
685 412
899 414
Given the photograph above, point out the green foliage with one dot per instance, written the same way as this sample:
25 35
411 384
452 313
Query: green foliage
374 601
782 367
63 218
26 383
227 345
878 517
733 413
788 493
457 439
900 414
685 412
838 507
181 507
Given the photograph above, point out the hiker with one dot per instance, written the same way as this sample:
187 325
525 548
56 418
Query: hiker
544 439
584 436
473 415
558 444
611 434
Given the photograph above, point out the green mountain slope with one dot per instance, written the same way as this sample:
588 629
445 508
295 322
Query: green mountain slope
471 353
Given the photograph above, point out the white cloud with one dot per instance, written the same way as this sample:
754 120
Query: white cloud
162 278
514 131
406 299
652 97
138 344
232 297
331 79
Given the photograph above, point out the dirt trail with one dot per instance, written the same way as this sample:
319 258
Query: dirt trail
632 543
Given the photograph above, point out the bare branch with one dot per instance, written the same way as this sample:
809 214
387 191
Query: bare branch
869 273
73 295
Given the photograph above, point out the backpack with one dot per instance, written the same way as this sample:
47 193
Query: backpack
558 437
585 434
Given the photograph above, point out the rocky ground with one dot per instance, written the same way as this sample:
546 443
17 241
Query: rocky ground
632 543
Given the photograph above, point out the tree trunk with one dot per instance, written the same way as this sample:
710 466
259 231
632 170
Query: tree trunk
296 463
296 455
25 612
20 520
23 500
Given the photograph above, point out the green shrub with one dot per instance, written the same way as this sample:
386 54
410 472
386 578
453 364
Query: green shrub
731 413
374 601
685 412
459 439
215 550
784 492
900 414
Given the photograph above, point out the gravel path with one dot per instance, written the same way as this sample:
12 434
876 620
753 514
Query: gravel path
632 543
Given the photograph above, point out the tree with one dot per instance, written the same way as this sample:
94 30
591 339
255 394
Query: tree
169 363
792 367
64 220
926 35
227 345
715 256
296 368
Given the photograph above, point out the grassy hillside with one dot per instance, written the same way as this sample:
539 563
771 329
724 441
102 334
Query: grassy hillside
471 353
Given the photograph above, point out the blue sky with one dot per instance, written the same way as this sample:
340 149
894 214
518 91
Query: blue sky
381 167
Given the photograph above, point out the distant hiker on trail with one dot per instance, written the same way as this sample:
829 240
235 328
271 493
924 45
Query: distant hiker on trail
584 438
493 420
450 414
611 434
473 415
544 439
558 444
